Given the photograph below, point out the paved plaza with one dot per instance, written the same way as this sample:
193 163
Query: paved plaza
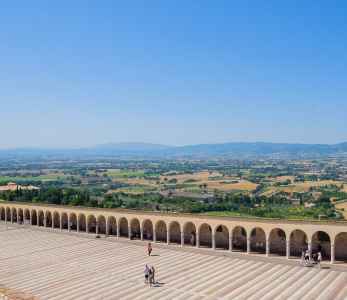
54 265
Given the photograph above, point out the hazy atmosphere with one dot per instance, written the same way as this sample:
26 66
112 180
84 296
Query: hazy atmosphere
79 73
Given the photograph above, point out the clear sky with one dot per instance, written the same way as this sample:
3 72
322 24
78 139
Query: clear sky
79 73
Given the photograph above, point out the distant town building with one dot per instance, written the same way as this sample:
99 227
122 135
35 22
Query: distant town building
12 186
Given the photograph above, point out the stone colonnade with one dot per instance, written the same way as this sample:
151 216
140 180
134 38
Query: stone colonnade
268 237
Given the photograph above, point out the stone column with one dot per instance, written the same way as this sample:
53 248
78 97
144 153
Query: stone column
118 231
167 237
230 240
68 223
141 233
52 221
38 220
11 217
107 227
213 237
154 236
129 232
97 228
288 249
267 247
77 224
248 245
18 216
5 215
332 253
44 221
309 248
61 222
197 241
182 238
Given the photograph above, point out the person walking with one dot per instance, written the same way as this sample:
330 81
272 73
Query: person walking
150 277
149 249
153 275
147 271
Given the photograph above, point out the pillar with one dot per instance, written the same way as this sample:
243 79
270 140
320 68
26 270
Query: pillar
141 232
11 217
332 253
230 240
154 236
68 223
182 238
52 221
61 222
97 228
309 248
118 231
5 215
288 249
267 247
38 219
167 237
44 221
129 232
107 227
197 241
248 245
78 223
213 237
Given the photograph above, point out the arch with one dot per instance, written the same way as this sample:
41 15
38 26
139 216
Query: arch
20 216
112 226
27 216
91 224
73 222
14 215
161 231
277 242
82 223
298 242
189 231
8 214
56 220
2 213
258 240
135 231
48 219
321 243
175 232
205 235
40 218
221 237
101 222
147 229
239 239
341 247
123 227
33 217
64 221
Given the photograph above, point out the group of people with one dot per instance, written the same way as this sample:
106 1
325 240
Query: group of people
149 275
307 259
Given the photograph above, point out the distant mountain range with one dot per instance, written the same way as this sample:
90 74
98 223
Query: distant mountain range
146 150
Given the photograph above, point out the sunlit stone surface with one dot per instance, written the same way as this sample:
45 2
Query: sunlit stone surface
52 265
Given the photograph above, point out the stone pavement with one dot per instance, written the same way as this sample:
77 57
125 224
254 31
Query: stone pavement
64 266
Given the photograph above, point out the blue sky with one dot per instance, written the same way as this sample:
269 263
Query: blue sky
79 73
